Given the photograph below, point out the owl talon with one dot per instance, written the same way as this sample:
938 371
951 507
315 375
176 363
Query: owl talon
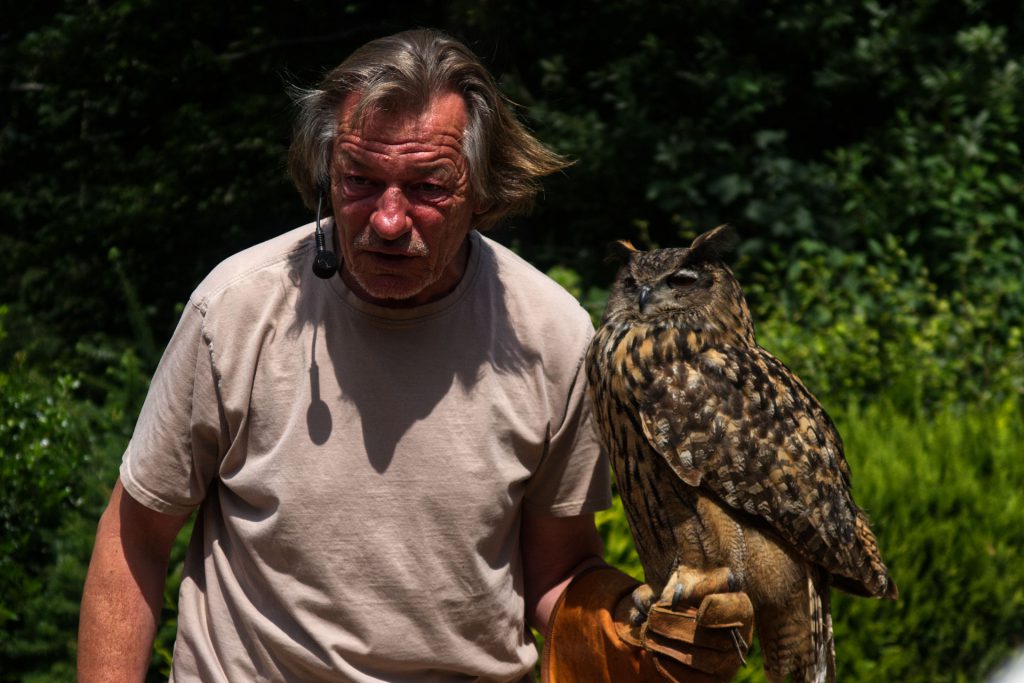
642 596
690 586
677 595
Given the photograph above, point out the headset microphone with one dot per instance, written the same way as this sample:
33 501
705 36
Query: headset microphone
325 265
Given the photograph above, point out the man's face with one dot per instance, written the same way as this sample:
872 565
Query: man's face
400 194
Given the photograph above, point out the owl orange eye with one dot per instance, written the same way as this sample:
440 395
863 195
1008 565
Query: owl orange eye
682 278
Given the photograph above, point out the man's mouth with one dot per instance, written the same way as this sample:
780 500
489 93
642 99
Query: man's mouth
389 256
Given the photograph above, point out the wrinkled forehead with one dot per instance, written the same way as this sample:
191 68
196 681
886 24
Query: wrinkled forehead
407 145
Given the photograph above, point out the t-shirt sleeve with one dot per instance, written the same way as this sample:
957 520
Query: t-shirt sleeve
175 449
573 477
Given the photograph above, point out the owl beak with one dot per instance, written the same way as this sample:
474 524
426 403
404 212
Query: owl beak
645 294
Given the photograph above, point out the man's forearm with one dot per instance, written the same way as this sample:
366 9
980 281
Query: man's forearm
554 549
118 618
540 615
123 592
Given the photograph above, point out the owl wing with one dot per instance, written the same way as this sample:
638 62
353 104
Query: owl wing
738 423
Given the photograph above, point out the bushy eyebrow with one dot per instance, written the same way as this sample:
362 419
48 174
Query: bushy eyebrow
443 169
352 162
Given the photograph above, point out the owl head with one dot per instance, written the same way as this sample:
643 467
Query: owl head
689 287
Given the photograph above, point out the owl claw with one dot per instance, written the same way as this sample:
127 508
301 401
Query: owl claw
690 586
643 596
677 595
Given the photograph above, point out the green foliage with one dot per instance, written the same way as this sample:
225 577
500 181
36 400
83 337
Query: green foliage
46 470
618 544
861 325
59 454
43 452
945 496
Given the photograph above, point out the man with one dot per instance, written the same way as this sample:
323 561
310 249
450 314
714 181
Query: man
394 468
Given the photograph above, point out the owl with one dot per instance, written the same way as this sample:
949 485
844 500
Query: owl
732 475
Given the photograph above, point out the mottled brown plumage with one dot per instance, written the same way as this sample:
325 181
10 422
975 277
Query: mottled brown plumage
732 475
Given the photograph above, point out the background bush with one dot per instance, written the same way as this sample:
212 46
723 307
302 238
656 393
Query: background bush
869 154
56 454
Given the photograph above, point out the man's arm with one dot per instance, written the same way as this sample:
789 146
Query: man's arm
555 549
124 590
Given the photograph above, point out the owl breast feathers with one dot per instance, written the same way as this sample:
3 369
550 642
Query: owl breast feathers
732 475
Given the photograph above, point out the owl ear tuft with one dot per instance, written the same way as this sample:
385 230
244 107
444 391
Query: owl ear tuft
715 243
621 251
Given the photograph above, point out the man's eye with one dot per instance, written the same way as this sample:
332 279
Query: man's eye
359 186
430 189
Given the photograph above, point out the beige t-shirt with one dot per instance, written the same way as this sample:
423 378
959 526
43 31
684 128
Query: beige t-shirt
361 470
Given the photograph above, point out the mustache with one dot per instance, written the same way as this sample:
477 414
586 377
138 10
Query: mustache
408 244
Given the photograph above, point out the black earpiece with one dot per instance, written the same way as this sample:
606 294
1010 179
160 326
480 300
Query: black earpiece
325 265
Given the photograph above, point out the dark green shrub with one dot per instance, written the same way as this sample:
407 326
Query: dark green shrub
863 325
945 496
46 473
59 453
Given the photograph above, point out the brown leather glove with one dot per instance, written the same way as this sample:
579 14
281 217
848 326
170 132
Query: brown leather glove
590 638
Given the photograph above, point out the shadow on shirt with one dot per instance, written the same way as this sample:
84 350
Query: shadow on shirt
396 370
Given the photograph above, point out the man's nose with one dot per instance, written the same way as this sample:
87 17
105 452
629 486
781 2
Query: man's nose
390 218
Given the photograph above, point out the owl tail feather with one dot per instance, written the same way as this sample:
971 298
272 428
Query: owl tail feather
798 645
824 645
823 670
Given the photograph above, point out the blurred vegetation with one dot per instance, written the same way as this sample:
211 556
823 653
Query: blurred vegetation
869 154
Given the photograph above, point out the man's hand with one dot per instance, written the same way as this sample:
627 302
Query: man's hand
592 640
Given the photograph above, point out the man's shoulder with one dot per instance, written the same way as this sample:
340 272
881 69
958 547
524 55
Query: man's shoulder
268 261
532 289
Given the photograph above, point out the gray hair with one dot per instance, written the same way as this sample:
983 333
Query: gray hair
402 72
